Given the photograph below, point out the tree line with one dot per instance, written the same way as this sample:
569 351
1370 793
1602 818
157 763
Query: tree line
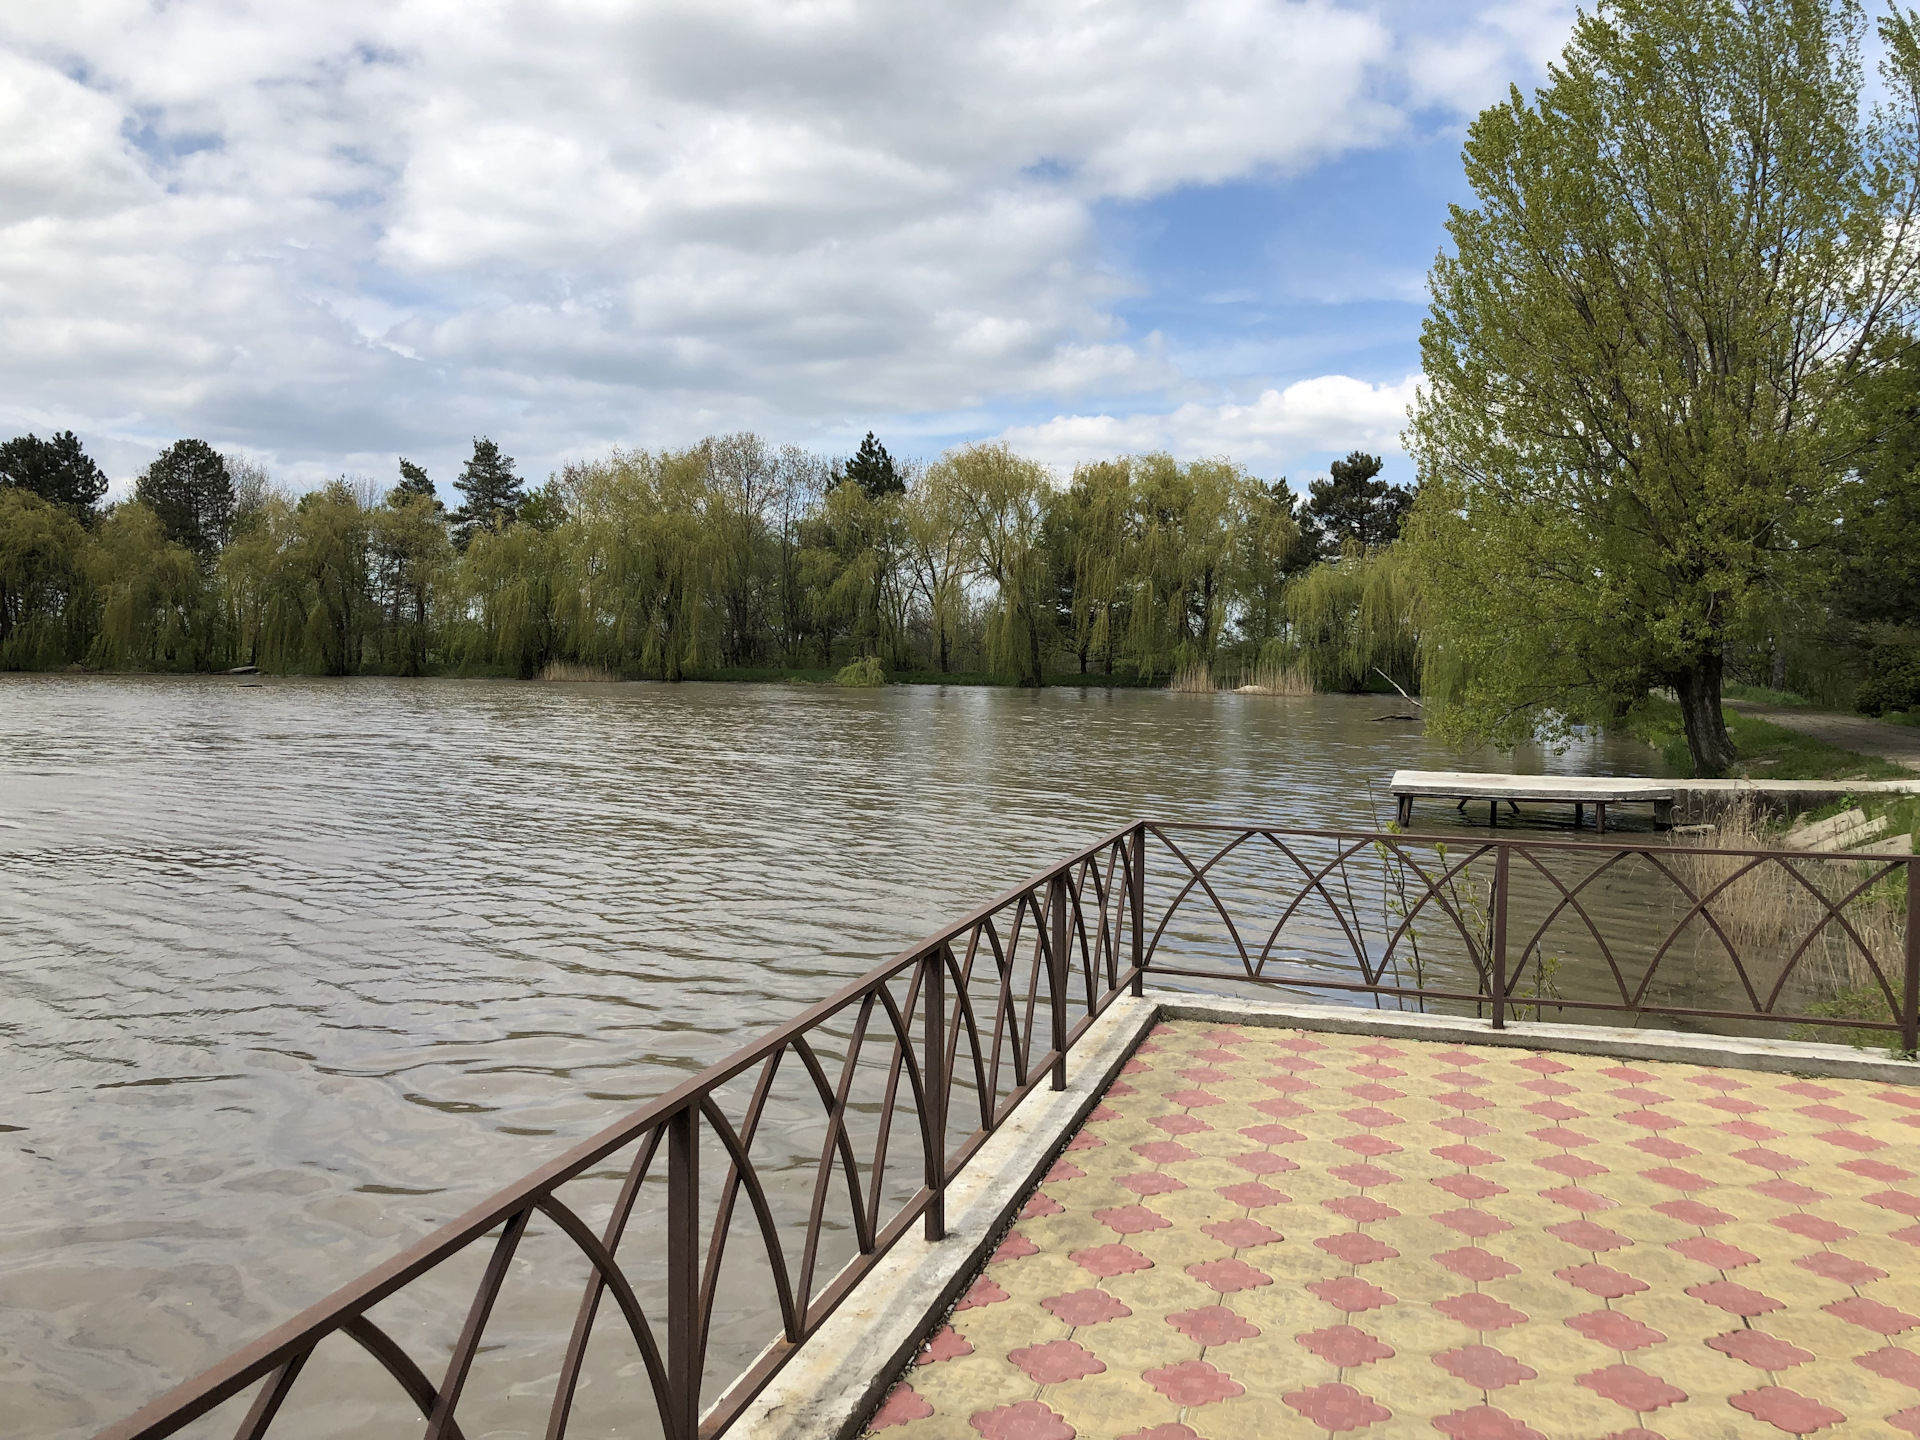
729 557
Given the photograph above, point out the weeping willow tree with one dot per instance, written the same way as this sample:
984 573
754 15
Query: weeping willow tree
41 582
640 556
1090 533
517 586
1004 498
1181 554
155 609
939 553
851 565
1355 617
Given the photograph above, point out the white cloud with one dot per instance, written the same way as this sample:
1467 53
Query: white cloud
326 233
1330 412
1469 65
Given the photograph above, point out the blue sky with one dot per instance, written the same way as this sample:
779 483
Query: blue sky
322 237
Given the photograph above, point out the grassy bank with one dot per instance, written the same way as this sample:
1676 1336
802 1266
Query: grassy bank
1766 751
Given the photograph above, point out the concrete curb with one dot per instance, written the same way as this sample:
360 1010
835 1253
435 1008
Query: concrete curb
837 1379
1786 1057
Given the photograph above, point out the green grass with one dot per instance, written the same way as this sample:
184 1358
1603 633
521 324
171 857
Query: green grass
1761 695
1766 751
1865 1002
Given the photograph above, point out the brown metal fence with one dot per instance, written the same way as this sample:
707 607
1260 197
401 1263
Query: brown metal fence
733 1214
1760 941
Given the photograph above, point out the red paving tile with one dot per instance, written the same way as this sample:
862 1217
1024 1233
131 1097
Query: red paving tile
1193 1382
1345 1346
1787 1410
1337 1408
1616 1330
1055 1361
1484 1367
1760 1350
1329 1190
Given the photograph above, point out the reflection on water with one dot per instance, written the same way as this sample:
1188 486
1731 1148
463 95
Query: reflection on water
294 973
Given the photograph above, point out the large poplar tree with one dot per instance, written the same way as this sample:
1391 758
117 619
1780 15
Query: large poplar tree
1683 254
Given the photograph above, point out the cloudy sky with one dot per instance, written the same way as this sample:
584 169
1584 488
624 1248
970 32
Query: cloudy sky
328 234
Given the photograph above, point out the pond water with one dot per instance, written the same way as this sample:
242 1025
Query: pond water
294 971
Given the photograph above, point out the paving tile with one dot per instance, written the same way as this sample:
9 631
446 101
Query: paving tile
1265 1233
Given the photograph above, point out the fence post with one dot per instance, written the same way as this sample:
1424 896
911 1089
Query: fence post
1910 1001
1500 878
683 1274
1137 906
933 1071
1057 905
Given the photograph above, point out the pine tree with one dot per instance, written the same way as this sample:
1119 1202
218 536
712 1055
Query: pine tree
493 491
190 490
873 470
1354 504
57 470
414 481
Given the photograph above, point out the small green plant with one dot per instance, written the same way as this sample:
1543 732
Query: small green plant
864 673
1407 886
1858 1002
1544 989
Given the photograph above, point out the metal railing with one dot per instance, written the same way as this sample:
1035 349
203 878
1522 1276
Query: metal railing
821 1144
1761 940
899 1077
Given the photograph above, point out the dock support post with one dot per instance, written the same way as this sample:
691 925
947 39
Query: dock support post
933 1069
1500 878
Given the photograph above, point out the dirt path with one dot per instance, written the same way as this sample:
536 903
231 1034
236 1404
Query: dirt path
1898 743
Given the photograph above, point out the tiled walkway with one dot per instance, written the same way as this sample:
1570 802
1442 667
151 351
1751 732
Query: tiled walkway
1271 1233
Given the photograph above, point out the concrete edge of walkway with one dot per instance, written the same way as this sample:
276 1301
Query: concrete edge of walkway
838 1378
844 1370
1786 1057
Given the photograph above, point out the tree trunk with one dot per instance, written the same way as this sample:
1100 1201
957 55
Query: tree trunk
1707 739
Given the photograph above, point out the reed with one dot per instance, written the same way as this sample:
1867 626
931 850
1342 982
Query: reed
1193 679
569 672
1272 675
1767 912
